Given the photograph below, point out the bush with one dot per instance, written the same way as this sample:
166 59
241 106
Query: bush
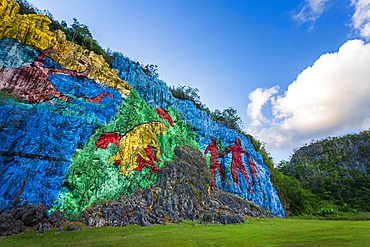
326 211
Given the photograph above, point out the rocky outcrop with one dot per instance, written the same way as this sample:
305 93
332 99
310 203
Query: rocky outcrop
9 225
185 191
56 218
14 221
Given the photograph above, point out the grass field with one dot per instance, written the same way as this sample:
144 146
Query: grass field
260 232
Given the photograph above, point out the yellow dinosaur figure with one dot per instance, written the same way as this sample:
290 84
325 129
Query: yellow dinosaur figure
134 142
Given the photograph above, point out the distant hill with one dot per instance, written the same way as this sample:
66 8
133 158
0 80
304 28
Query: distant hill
335 169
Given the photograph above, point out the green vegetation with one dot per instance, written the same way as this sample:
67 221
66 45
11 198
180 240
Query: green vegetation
79 34
261 232
150 69
335 170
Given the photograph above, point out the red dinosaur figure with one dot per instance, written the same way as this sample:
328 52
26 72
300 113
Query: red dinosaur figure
214 162
114 138
237 162
107 138
142 163
31 82
164 115
97 99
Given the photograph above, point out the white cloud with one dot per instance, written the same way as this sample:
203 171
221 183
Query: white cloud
311 10
332 97
259 97
361 18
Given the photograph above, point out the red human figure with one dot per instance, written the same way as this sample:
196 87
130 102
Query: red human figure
214 162
164 115
142 163
253 169
237 151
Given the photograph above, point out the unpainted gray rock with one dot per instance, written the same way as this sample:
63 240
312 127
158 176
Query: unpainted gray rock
9 225
74 228
30 215
56 218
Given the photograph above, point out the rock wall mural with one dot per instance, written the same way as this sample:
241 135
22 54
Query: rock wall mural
74 132
233 162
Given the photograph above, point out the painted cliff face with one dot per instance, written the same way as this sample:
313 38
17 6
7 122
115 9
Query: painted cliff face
164 115
236 170
31 82
72 138
237 165
46 113
134 146
52 117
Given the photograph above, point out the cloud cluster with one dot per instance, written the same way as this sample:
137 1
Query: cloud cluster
332 97
361 18
311 10
258 98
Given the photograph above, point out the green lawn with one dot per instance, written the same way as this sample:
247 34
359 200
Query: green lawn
261 232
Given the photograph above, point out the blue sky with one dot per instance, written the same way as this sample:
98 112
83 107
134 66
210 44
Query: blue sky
294 70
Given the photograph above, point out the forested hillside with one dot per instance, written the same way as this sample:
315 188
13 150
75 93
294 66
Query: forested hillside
335 169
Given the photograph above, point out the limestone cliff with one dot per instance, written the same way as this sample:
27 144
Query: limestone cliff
75 132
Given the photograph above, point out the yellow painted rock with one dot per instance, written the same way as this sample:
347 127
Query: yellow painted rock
100 70
31 30
8 8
